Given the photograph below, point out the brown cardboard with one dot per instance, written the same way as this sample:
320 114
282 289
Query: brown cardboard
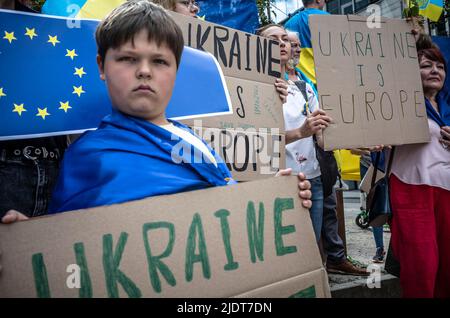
250 154
240 54
199 261
251 64
368 82
255 105
310 285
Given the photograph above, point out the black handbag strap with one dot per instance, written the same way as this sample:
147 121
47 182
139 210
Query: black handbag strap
375 168
389 166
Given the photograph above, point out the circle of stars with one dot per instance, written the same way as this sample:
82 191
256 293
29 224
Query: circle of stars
53 40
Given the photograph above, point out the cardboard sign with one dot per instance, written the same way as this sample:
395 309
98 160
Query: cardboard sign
255 105
251 65
249 154
310 285
227 241
368 82
240 54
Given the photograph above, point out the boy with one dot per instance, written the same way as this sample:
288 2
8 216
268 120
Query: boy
135 151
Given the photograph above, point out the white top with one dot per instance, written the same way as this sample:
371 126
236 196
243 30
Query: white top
191 139
427 163
300 154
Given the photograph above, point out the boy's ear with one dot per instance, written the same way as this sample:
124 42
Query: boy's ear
100 67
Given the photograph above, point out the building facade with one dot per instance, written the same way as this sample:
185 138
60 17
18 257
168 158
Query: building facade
389 9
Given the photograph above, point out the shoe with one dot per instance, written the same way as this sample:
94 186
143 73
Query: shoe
346 268
379 255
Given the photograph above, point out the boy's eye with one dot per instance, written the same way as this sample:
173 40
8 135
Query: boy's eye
126 59
161 61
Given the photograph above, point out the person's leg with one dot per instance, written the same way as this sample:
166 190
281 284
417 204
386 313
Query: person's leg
442 203
316 211
332 243
378 236
413 236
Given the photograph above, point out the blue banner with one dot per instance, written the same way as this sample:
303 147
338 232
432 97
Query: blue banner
50 84
236 14
444 45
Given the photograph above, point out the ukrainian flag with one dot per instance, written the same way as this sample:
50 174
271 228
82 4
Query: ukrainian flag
83 9
432 9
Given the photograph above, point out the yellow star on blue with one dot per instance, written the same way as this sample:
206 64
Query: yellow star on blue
71 53
9 36
79 71
42 113
1 92
78 90
19 109
64 106
53 40
30 32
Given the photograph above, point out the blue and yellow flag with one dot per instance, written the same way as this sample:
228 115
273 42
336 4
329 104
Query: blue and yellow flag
300 23
87 9
50 84
432 9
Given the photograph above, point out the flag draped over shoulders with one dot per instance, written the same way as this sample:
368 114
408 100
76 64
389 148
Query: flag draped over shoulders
128 159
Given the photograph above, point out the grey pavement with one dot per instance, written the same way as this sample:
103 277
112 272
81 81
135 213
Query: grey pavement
361 247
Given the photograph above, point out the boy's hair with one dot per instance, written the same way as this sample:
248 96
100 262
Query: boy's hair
125 21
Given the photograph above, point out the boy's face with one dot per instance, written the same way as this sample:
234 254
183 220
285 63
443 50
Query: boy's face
140 78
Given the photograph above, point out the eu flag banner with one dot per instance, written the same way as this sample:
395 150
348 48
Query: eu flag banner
444 45
50 85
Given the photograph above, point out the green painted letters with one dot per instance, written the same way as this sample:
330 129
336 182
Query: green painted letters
196 229
85 280
154 262
40 276
279 206
223 214
255 232
113 274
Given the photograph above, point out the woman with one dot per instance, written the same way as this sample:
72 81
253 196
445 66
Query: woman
184 7
303 119
420 192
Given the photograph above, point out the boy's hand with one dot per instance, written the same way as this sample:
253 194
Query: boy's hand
13 216
315 122
282 88
304 187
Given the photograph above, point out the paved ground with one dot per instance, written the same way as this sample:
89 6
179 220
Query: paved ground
360 243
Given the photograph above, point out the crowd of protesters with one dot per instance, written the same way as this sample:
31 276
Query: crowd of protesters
74 178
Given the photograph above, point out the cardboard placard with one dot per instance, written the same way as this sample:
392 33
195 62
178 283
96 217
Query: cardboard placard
240 54
368 82
255 105
310 285
227 241
250 154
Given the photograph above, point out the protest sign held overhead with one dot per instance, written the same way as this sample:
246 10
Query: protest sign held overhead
369 82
